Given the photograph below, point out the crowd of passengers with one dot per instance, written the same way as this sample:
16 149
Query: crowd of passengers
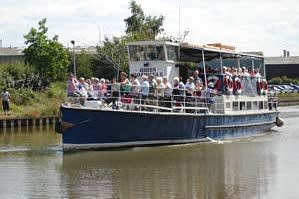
150 87
132 87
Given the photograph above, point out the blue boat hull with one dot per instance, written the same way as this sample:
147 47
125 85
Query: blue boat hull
89 129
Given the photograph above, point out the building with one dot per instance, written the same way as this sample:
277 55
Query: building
11 55
282 66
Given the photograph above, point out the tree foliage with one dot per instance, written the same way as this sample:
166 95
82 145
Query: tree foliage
48 57
84 64
142 27
113 53
284 80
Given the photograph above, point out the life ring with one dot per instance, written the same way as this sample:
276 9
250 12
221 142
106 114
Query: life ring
237 86
228 84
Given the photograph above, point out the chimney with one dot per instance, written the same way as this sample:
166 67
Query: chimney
0 43
288 53
284 53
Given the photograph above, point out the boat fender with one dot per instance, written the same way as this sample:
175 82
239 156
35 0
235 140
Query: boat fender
279 122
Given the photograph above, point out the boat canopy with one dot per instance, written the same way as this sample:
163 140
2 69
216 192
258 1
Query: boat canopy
215 58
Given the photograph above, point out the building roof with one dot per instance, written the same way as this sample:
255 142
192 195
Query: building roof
11 51
282 60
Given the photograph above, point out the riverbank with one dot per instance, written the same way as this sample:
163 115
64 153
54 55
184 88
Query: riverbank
288 99
26 103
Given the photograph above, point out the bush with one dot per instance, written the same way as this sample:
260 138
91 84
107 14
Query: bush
284 80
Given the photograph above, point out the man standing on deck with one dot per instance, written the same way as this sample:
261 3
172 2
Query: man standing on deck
5 96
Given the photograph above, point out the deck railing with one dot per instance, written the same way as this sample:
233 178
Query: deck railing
155 102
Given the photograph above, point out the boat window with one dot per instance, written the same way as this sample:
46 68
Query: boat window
246 63
230 61
260 105
235 106
254 105
259 65
248 104
173 53
146 53
265 105
242 106
212 62
228 105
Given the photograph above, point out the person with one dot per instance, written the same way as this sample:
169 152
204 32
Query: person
160 87
153 85
168 87
89 88
82 87
190 86
196 76
72 86
135 86
144 90
5 96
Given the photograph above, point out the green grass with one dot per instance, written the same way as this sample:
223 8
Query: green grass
288 97
32 104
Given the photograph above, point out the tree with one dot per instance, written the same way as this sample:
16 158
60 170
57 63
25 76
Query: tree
49 58
112 57
113 53
142 27
84 64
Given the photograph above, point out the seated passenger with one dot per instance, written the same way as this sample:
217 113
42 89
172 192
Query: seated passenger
144 89
190 86
160 87
72 89
125 85
168 88
153 85
135 88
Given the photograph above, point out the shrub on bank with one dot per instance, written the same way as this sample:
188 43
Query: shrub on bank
28 103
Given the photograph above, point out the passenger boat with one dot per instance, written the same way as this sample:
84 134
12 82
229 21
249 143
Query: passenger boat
223 111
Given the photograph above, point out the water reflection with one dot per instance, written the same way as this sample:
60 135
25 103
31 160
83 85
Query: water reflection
193 171
32 165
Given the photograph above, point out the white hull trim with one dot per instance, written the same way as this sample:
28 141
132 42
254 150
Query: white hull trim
241 125
69 147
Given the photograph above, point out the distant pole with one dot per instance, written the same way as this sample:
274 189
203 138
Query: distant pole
74 57
179 19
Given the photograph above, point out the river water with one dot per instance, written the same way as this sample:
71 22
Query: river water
32 165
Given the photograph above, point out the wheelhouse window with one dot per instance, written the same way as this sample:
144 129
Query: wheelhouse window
172 52
146 53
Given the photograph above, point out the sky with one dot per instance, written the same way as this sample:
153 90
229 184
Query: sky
249 25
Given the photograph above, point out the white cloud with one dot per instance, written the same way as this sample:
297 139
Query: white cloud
268 25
